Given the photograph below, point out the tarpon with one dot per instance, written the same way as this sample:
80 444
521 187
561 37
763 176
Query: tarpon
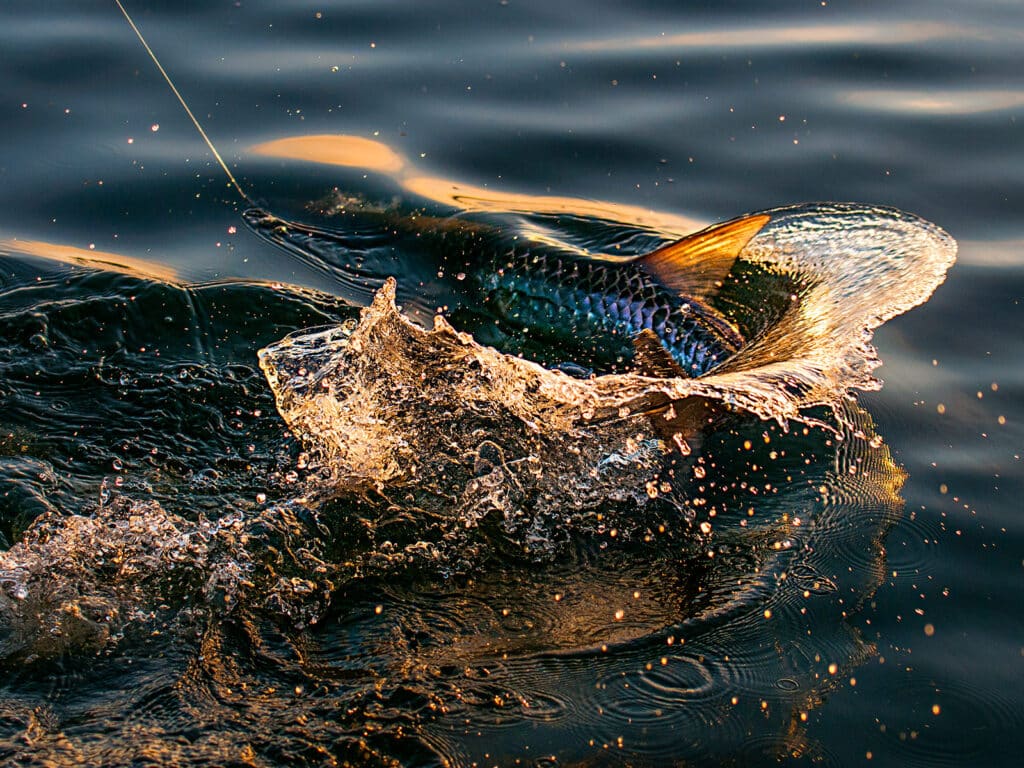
650 309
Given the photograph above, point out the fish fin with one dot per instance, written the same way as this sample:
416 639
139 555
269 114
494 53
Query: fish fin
652 359
681 424
684 423
696 265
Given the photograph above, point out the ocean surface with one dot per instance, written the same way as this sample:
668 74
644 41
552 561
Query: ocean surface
192 576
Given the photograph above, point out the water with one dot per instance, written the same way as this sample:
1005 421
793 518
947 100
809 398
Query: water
194 586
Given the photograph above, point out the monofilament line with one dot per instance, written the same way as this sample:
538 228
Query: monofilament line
188 111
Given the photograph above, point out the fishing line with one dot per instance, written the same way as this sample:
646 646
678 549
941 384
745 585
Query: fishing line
181 99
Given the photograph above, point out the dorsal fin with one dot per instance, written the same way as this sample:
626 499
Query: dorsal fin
652 359
696 265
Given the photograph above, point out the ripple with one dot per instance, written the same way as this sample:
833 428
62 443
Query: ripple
849 544
672 682
792 748
912 547
805 577
959 732
509 703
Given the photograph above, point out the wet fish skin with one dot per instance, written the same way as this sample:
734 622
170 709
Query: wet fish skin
577 310
590 303
652 304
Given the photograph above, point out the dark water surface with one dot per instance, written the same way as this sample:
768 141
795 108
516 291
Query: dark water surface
185 585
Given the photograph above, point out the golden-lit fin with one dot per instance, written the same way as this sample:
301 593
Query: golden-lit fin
696 265
652 359
680 423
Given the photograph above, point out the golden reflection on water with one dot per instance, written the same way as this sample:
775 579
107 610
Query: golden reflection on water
813 35
588 646
348 151
934 102
993 253
358 152
87 257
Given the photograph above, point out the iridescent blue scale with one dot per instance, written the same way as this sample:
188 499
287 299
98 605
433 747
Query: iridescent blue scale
587 301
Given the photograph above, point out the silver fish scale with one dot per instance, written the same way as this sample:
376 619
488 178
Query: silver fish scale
588 299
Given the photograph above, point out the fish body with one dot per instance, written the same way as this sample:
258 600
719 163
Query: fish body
650 309
602 307
563 308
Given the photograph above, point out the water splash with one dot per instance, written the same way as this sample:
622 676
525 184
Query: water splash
82 584
433 421
467 557
460 429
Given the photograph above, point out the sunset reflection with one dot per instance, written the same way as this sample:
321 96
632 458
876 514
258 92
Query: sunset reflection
87 257
934 102
814 35
358 152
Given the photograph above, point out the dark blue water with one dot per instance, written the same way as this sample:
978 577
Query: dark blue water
186 603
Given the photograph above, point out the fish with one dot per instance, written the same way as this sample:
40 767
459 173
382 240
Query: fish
652 310
656 302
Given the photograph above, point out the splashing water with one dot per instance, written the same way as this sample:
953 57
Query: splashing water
464 554
397 409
